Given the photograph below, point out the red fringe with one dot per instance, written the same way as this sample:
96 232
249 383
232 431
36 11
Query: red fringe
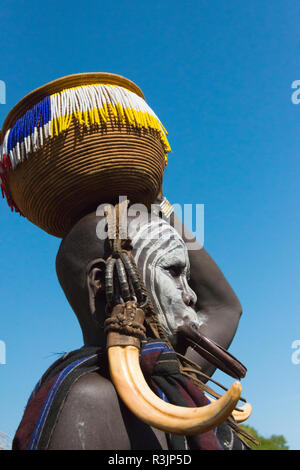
5 166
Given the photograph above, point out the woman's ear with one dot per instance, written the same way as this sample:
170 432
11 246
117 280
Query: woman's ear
95 281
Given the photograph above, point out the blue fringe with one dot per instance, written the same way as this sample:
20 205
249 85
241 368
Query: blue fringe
36 117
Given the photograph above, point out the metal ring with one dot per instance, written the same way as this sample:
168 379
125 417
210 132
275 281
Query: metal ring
145 303
124 287
132 275
109 283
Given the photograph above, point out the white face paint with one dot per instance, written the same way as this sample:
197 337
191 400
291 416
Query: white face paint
163 260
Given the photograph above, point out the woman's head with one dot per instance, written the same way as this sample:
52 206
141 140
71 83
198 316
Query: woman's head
162 259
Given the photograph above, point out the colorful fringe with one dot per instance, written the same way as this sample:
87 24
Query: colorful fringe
88 105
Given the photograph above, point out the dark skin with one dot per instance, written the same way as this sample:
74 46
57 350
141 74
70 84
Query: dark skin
93 417
215 298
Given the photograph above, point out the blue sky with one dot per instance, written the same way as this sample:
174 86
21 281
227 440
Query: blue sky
219 75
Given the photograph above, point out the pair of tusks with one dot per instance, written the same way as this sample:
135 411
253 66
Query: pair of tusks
132 388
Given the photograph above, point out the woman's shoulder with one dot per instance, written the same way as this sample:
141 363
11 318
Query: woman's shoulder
91 417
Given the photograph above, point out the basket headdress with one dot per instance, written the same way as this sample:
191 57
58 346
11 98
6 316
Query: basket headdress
77 142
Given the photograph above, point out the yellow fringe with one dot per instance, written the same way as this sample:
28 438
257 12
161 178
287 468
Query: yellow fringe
99 116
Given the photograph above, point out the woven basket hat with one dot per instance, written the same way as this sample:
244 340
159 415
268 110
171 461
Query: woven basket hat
77 142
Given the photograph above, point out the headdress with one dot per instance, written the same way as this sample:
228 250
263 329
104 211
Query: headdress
79 141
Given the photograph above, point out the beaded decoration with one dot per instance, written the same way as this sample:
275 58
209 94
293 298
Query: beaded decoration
88 105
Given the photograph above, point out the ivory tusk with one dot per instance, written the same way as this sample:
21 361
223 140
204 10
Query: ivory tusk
242 414
130 384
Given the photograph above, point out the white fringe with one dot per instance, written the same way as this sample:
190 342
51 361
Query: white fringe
68 102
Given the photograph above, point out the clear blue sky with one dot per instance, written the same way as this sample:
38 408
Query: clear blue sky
218 74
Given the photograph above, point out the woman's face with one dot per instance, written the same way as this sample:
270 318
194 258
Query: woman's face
173 297
162 258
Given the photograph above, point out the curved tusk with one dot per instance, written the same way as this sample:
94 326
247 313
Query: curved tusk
130 384
242 414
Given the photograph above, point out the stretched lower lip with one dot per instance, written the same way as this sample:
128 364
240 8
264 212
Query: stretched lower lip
211 351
